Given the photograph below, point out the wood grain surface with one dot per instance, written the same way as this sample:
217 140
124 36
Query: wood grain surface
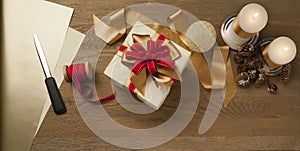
253 120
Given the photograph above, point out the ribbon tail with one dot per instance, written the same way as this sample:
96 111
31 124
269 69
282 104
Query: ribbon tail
177 21
131 17
202 69
139 80
112 32
168 72
83 88
230 84
151 67
108 98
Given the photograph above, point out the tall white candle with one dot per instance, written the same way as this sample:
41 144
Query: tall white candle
282 50
249 22
252 18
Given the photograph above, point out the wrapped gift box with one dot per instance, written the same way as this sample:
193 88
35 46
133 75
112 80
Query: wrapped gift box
154 94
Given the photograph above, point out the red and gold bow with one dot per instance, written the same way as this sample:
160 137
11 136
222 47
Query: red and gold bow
150 57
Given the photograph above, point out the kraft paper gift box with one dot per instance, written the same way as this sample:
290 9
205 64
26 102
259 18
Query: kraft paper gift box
154 94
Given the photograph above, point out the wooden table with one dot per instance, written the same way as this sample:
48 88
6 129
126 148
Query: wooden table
254 119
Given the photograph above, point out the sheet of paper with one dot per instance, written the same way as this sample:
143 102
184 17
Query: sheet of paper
24 89
70 47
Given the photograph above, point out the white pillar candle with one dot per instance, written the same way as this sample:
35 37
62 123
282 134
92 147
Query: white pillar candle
252 18
282 50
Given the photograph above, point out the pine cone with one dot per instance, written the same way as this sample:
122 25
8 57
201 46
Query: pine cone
272 88
237 59
260 80
243 79
253 74
242 68
246 50
258 62
286 72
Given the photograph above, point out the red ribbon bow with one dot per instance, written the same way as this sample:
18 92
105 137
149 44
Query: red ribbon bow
156 54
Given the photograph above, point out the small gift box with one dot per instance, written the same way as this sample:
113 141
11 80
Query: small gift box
147 64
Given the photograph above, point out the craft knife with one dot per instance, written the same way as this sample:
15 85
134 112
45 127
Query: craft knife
55 96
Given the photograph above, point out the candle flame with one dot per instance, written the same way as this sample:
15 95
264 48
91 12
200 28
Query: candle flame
255 15
285 49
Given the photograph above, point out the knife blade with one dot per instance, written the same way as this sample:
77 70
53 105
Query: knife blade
54 93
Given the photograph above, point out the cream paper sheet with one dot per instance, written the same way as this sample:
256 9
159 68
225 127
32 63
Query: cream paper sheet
24 89
70 47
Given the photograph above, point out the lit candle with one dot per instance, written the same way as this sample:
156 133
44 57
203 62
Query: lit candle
250 21
282 50
252 18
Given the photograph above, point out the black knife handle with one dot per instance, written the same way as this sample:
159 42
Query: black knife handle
55 96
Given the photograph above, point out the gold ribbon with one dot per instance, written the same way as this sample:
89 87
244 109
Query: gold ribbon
221 71
239 31
178 24
112 31
214 78
197 59
230 84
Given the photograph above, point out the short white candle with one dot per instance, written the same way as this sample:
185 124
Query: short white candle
252 18
282 50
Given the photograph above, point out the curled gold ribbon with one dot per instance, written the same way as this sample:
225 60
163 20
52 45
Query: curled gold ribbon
113 31
221 72
230 84
197 59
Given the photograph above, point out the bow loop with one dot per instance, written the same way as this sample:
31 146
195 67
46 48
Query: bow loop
137 47
151 46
